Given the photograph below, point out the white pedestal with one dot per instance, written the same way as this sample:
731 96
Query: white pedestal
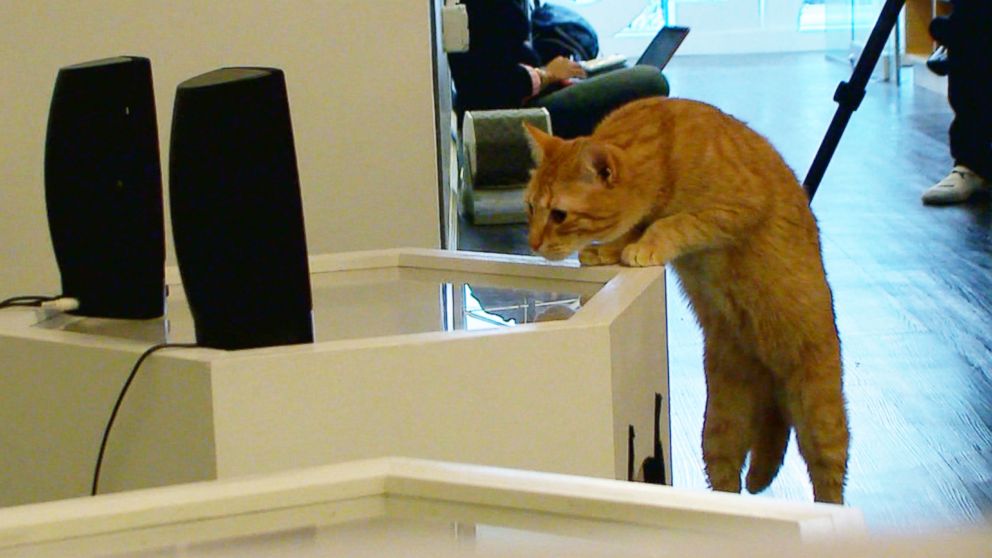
392 373
416 508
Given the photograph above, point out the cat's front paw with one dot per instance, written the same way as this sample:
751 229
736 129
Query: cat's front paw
643 254
599 255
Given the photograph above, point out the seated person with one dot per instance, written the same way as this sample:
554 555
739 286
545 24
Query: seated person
502 70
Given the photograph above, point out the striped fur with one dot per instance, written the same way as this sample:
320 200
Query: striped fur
676 181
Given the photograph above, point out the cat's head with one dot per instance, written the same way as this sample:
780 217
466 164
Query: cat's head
577 195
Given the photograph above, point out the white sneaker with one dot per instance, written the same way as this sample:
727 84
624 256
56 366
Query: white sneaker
955 187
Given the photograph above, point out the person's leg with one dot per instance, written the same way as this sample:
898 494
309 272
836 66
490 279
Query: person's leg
969 87
971 141
969 91
577 109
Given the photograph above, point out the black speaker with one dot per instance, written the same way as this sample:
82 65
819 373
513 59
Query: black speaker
103 188
237 216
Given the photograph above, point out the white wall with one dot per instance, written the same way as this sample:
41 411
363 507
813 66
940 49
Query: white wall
360 79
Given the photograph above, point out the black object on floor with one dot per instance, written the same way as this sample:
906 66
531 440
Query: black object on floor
630 452
103 188
654 466
237 215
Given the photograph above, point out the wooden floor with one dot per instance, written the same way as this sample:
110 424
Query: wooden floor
912 287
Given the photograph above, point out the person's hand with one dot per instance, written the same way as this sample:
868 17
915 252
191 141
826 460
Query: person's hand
561 69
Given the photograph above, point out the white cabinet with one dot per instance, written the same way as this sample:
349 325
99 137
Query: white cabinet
415 356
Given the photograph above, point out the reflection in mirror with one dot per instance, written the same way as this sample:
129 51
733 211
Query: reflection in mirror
483 307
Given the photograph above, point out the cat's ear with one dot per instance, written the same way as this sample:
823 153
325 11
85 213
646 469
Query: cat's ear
602 160
539 141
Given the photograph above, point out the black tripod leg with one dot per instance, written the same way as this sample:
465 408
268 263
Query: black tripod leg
850 94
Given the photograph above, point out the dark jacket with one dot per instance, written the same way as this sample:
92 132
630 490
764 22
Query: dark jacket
489 75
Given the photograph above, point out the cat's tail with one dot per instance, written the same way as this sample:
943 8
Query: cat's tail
771 438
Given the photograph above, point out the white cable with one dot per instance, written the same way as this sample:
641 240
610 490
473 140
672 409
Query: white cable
63 304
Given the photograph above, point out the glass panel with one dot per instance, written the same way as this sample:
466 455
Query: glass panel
371 303
840 31
812 15
381 302
849 23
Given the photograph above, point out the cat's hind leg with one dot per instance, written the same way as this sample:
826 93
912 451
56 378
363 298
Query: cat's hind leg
771 438
727 423
816 403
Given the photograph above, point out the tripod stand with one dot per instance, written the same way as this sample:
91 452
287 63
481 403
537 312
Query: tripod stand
850 94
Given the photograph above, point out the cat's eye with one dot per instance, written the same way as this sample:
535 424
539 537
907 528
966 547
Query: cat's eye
530 209
558 216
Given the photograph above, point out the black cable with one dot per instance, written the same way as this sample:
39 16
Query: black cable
27 300
120 399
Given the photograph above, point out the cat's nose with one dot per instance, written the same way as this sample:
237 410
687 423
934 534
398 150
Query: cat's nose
535 243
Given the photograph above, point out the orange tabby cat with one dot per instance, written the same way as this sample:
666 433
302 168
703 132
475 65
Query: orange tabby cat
675 181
